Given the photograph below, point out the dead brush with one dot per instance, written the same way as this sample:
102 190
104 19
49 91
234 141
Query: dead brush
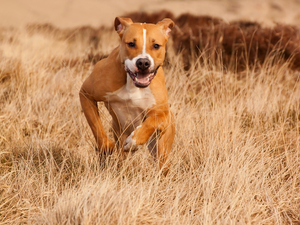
236 45
235 157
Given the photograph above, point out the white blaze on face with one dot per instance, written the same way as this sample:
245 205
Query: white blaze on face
144 53
145 39
131 64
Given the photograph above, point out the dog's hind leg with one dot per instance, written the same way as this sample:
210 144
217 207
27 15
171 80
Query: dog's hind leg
160 148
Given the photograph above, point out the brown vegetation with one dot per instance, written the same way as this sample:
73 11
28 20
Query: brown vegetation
232 46
235 158
238 44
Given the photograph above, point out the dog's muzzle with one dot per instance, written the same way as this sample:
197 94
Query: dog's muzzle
142 79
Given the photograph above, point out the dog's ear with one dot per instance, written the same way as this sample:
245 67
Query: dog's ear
166 25
121 24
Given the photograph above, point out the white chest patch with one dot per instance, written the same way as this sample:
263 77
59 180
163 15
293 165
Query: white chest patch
138 97
130 103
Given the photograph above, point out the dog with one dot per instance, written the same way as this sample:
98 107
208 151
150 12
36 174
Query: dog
131 83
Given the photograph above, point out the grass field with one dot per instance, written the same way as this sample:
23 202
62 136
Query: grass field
235 159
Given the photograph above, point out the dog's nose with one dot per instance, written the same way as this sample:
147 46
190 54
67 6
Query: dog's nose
143 63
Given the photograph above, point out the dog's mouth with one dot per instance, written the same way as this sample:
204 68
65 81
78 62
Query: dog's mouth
142 79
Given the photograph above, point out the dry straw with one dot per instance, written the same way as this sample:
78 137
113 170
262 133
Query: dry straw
235 158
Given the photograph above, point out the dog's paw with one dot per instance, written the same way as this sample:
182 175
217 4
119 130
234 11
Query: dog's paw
130 142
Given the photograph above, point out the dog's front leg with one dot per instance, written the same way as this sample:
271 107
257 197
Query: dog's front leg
90 109
155 122
164 125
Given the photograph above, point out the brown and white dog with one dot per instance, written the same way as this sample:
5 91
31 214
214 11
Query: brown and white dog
131 83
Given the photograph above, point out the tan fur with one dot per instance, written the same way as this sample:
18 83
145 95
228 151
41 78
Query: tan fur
109 78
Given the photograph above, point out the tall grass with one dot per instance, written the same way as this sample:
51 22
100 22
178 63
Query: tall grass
235 158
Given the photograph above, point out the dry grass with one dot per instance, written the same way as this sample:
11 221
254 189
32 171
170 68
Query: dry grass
235 160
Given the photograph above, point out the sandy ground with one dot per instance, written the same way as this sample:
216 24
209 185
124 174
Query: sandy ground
70 13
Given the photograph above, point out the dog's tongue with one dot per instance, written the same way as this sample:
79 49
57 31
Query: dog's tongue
143 79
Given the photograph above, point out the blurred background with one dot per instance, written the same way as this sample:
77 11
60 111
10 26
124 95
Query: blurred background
70 13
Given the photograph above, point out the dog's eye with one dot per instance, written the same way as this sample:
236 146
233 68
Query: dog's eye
156 46
131 44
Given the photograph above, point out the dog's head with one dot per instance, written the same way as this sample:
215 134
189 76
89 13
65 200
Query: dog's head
142 48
